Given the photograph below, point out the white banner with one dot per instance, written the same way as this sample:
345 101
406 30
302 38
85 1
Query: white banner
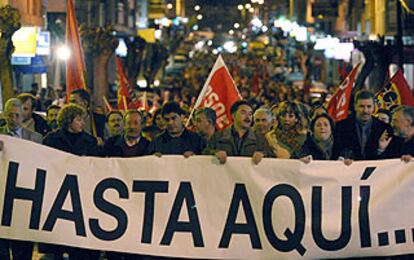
197 208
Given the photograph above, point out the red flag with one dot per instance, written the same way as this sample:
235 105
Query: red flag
339 103
219 93
75 66
127 98
394 93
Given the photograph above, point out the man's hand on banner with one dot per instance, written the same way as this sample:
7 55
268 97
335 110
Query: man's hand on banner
306 159
187 154
221 156
384 141
407 158
257 157
158 154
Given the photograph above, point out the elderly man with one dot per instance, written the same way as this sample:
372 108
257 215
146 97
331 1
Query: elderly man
205 122
401 145
13 111
262 120
239 139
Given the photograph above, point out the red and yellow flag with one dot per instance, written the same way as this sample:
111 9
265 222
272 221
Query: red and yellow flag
394 93
127 98
75 66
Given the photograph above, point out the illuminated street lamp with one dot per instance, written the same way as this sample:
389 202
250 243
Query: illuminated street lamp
231 32
240 7
199 16
236 25
197 8
251 10
248 6
169 6
63 53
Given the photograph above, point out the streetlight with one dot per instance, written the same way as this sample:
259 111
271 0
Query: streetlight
63 53
169 6
197 8
236 25
240 7
251 10
248 6
199 16
231 32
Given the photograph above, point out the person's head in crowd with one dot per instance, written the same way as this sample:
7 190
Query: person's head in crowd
384 115
114 122
205 122
150 132
158 120
28 102
290 116
403 122
262 120
133 123
13 110
173 116
34 89
80 97
322 127
71 118
364 106
242 115
318 110
51 116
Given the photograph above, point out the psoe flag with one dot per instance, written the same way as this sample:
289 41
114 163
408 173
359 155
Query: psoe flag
394 93
339 103
219 93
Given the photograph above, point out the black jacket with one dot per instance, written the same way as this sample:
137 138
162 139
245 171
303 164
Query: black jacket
85 144
346 141
311 148
113 147
40 124
398 147
165 144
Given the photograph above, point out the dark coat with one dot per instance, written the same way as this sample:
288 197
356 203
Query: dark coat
346 141
113 147
188 141
398 147
311 148
40 124
85 145
224 141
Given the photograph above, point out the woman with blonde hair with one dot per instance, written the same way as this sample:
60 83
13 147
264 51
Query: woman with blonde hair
290 131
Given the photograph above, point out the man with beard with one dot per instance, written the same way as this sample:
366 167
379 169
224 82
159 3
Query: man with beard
401 145
176 139
51 116
358 136
239 139
114 123
205 122
131 143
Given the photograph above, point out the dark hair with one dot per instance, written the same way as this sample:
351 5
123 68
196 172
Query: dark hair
298 109
237 104
83 94
112 112
172 107
27 96
52 107
363 94
209 113
313 122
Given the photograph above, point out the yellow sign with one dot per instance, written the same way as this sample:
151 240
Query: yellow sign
24 41
147 34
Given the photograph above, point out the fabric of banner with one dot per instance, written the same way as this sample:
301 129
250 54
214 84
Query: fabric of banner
197 208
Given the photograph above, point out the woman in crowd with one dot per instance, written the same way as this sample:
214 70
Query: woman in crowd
289 133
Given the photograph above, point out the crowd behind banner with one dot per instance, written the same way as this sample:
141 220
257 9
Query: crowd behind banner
289 129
